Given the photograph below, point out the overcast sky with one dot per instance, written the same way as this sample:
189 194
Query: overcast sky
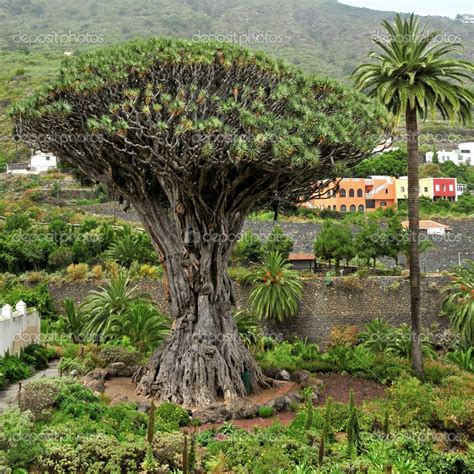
422 7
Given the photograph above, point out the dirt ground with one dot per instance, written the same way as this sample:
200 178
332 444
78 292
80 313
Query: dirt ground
336 386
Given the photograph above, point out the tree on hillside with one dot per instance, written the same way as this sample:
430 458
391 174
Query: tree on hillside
390 163
413 76
196 135
430 170
334 242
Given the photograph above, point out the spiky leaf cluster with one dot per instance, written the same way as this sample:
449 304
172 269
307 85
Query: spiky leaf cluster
223 122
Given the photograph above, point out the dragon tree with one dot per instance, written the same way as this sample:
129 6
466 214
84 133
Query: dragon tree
195 135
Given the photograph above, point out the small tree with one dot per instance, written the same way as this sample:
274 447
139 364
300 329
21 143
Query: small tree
335 242
369 242
396 237
279 242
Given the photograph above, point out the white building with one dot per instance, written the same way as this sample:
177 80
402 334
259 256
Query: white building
40 162
463 155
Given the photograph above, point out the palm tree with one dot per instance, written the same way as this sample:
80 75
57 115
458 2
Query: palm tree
276 289
459 302
143 324
103 306
414 77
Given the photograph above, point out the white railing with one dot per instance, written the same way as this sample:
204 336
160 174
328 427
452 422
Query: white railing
19 327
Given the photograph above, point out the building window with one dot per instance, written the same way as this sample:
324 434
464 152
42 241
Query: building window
361 208
383 203
351 193
386 191
426 189
451 188
334 207
343 208
47 158
352 208
437 187
342 193
359 193
402 189
444 187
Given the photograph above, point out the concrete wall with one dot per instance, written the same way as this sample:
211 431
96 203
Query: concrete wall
349 300
19 327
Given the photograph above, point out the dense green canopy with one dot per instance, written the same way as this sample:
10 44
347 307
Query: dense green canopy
191 106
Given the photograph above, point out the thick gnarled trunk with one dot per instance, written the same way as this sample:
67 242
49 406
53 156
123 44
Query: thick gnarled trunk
203 360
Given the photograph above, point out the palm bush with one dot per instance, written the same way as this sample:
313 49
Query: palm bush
459 302
143 324
276 289
103 307
129 247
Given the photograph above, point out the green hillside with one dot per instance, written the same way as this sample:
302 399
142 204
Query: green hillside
321 36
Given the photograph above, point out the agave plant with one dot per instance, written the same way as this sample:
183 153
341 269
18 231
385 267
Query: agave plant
276 289
107 304
143 324
459 302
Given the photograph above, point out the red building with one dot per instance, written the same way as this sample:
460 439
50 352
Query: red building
444 188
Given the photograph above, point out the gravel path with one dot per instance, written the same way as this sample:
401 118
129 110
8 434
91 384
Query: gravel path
8 395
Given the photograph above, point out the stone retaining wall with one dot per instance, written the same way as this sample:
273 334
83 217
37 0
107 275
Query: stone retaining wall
349 300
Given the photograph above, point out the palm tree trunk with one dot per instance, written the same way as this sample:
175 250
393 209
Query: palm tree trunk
414 232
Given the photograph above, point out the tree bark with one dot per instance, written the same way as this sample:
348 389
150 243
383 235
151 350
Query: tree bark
203 359
414 233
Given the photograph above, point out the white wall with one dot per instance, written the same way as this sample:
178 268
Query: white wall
19 327
41 162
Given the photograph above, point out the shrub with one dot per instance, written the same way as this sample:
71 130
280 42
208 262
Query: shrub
39 396
98 272
13 369
265 412
95 453
168 449
77 272
60 258
249 248
36 356
128 356
153 272
344 335
172 415
411 402
18 441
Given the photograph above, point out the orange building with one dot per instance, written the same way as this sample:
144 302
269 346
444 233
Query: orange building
359 195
